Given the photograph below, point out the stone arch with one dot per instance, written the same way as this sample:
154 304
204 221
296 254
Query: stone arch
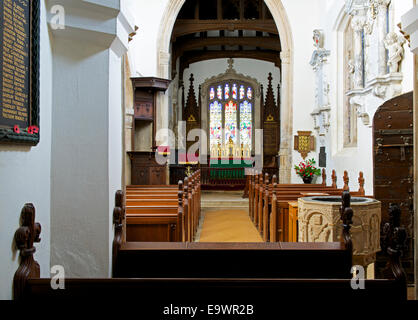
282 22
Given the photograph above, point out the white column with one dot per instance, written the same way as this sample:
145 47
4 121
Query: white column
357 23
382 31
286 121
86 160
162 101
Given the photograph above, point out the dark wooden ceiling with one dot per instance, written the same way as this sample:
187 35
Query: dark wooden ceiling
213 29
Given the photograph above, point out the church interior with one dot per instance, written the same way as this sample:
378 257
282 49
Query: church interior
212 146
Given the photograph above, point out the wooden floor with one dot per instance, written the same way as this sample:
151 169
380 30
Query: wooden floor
231 225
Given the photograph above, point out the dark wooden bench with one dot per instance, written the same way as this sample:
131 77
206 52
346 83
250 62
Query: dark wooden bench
320 272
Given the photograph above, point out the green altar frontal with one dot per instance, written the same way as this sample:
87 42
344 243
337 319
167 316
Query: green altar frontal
227 168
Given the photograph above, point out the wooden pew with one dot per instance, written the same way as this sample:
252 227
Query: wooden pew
155 219
313 271
152 211
260 201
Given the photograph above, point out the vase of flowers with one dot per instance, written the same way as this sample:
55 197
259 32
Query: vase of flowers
307 170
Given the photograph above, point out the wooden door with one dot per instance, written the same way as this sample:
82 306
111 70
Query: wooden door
393 167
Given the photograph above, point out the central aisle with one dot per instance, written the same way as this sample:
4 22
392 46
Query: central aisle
228 225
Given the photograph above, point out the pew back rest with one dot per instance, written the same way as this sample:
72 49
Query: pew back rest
156 291
246 260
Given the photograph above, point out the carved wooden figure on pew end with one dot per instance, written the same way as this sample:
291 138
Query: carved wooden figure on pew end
361 183
118 218
324 177
347 219
334 179
346 181
24 239
394 244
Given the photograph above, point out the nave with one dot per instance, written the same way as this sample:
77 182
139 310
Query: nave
225 218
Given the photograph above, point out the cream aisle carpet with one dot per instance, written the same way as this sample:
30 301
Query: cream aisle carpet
231 225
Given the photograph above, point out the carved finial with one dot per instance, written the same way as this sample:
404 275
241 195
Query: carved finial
180 211
270 108
346 180
324 177
266 179
191 109
180 192
25 237
361 183
118 217
230 64
394 242
274 179
334 179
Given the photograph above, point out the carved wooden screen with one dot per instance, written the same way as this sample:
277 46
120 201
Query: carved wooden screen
231 114
271 127
393 168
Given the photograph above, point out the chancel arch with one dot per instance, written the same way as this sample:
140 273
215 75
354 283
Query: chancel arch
279 16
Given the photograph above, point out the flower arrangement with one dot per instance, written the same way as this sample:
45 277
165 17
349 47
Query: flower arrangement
306 169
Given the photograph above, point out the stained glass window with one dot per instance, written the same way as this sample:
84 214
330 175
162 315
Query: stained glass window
215 123
231 114
234 92
246 123
212 93
231 121
219 92
226 92
249 93
241 92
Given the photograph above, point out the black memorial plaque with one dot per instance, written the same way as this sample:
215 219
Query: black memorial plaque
19 71
322 158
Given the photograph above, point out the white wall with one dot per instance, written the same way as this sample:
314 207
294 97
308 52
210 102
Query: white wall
25 177
143 50
358 158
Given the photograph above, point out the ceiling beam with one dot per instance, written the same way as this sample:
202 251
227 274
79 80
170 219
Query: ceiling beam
185 45
184 27
197 56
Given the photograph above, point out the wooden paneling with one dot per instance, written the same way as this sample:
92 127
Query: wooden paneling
145 170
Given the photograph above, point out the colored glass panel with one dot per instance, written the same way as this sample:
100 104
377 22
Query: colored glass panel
226 92
215 126
246 123
234 92
241 92
219 92
231 122
249 93
212 93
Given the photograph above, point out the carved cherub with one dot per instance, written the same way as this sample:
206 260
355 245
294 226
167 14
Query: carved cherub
393 43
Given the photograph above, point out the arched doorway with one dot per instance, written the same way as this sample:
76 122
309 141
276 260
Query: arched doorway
286 58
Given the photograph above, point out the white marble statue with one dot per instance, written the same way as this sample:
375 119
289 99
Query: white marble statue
393 44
